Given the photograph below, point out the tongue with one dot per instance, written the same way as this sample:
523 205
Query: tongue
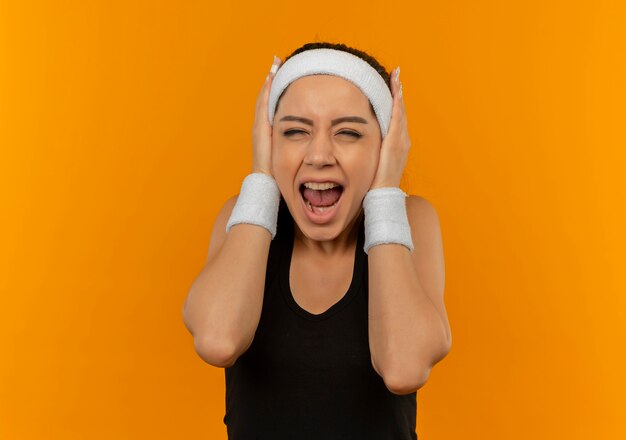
323 197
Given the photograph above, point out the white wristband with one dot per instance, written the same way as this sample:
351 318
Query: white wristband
257 203
386 220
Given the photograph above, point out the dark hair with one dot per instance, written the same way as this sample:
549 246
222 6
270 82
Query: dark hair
339 46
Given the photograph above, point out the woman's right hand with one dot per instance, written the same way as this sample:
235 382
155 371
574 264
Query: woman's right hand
262 130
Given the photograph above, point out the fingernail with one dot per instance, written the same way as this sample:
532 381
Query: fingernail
397 73
400 91
275 65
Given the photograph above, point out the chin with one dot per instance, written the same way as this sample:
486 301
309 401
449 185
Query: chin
319 233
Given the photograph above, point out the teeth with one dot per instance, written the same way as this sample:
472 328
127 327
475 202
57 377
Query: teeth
325 185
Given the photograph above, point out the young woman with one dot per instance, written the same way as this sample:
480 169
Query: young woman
322 294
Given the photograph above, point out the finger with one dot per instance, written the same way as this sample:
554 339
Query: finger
397 87
275 65
263 97
397 104
274 68
272 73
399 110
269 80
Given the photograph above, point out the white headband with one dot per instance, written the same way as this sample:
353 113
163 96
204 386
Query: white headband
339 63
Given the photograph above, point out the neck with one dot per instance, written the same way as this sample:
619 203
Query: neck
343 243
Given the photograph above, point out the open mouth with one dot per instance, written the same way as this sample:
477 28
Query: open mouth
321 201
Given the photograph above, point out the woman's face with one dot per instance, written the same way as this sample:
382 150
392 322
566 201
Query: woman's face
324 131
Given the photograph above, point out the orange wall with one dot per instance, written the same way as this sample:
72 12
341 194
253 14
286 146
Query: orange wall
125 125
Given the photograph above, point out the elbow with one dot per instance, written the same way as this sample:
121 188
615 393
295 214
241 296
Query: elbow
406 384
216 353
409 381
401 380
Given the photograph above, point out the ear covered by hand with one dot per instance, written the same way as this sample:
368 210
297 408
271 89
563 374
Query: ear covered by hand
262 130
395 147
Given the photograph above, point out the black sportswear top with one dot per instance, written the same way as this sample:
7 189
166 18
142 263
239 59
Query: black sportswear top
309 376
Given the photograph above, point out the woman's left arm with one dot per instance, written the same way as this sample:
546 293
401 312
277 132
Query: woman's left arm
408 325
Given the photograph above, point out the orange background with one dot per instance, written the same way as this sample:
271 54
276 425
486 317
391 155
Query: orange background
124 126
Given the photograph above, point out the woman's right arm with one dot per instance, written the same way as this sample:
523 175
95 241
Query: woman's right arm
223 306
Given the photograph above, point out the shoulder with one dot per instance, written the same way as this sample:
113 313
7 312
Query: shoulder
421 211
218 233
427 240
225 212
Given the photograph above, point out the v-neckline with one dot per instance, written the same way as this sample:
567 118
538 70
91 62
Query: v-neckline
355 283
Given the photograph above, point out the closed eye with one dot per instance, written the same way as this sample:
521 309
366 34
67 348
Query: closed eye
351 133
348 132
292 132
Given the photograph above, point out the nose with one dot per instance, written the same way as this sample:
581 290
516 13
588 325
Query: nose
320 152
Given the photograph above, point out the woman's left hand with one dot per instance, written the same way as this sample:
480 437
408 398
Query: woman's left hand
394 150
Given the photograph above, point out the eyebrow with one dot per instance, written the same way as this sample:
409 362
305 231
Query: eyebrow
333 122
